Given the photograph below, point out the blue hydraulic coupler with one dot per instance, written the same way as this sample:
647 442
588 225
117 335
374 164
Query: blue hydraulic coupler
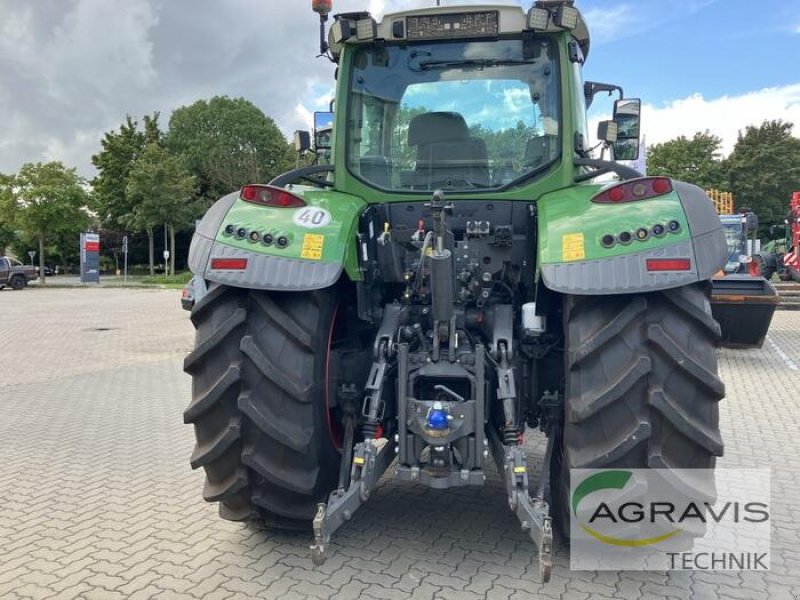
437 418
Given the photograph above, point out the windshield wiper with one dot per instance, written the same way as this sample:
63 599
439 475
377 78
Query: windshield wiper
471 62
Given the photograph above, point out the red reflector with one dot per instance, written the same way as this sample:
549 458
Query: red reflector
249 193
661 185
232 264
616 194
268 195
668 264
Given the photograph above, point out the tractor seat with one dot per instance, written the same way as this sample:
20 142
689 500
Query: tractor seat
446 151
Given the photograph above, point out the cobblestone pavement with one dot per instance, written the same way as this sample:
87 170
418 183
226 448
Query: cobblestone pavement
97 499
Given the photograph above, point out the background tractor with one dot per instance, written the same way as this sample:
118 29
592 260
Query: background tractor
455 276
742 300
780 256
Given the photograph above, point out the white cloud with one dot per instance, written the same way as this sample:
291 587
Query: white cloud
304 116
724 116
71 70
608 24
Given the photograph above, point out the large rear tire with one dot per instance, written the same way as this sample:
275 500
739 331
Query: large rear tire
259 404
642 386
17 282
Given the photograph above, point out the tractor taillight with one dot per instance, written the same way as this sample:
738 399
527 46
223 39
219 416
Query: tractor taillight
668 264
636 189
268 195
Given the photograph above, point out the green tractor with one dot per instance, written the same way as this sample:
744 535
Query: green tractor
455 276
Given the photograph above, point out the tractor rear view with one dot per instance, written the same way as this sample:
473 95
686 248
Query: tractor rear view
453 278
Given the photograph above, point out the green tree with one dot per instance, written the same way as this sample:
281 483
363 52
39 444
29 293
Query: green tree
119 153
46 200
7 234
227 143
161 191
764 169
696 160
114 162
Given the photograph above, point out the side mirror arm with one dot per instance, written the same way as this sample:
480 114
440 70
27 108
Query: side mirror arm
592 88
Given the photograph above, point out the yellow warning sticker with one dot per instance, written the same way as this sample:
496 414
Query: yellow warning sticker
312 246
572 247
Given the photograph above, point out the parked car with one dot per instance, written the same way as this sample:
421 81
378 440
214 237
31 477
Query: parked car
48 272
14 274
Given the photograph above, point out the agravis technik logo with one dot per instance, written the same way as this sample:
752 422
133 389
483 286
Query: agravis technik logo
653 519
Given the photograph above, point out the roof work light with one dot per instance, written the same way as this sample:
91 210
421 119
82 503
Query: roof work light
566 17
366 29
538 18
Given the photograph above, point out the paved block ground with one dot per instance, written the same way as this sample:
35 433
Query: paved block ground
97 499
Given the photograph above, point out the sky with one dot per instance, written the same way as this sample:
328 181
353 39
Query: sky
72 69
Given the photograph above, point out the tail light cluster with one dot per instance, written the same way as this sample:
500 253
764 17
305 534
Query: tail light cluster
636 189
269 195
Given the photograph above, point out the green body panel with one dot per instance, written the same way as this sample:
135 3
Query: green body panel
571 211
338 236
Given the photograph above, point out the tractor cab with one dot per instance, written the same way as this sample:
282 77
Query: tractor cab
740 236
468 100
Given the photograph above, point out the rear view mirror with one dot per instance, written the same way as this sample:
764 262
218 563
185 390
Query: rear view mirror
627 115
302 141
323 129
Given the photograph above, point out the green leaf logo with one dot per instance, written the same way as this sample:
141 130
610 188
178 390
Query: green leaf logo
611 480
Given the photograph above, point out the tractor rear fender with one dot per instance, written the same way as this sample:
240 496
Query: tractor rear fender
577 255
303 248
